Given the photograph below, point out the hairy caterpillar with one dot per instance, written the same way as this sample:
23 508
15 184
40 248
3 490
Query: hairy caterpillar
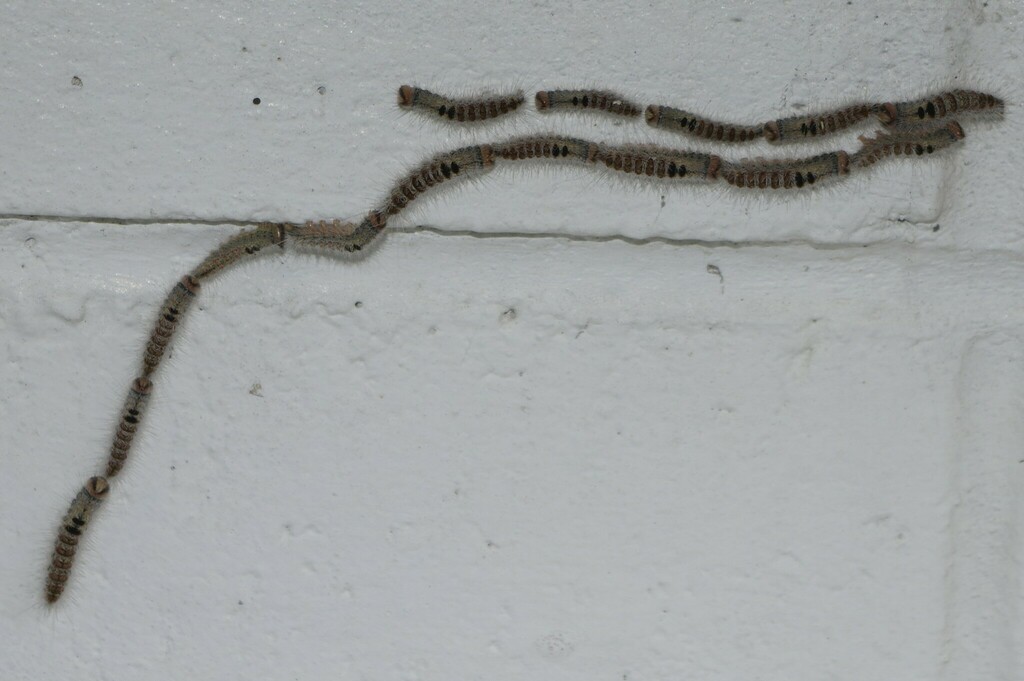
465 110
799 128
786 173
678 120
175 306
548 147
938 106
658 162
601 100
72 526
907 143
131 416
464 162
246 243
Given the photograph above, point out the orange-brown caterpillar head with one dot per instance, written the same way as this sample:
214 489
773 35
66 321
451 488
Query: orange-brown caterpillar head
886 113
97 487
956 130
142 385
652 114
405 95
543 101
772 131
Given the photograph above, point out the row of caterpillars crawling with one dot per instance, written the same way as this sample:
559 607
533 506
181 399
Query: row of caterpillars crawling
925 111
172 311
644 162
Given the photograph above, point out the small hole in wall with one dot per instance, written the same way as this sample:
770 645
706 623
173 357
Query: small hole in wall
256 101
76 81
322 90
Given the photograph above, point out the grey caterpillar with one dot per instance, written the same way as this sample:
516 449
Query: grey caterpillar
651 161
907 143
786 173
801 128
175 306
131 417
687 123
939 106
600 100
72 526
459 110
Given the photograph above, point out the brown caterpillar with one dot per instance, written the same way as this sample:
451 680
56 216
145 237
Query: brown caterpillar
800 128
678 120
72 526
547 147
337 235
465 110
175 306
239 246
786 173
602 100
464 162
658 162
908 143
938 106
131 416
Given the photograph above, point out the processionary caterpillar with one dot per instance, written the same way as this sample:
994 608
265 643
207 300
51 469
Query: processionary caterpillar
75 521
599 100
461 110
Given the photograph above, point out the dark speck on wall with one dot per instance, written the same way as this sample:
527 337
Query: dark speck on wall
256 101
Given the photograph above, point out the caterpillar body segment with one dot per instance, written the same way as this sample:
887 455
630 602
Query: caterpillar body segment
803 128
688 123
131 416
72 526
569 148
938 106
907 143
459 110
174 308
465 162
239 246
599 100
786 173
652 161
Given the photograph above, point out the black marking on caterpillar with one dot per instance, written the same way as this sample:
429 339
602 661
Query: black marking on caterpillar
688 123
459 110
72 526
600 100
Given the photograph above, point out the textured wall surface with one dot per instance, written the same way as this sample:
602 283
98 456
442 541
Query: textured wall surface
576 428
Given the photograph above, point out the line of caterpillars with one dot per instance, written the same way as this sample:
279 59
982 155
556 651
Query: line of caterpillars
914 113
645 161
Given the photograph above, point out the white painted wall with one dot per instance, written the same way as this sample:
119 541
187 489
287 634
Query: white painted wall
508 447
